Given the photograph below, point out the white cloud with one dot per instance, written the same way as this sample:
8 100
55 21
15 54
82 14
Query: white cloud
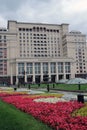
75 6
3 22
73 12
41 12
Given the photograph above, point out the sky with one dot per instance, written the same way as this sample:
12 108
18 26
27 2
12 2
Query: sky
73 12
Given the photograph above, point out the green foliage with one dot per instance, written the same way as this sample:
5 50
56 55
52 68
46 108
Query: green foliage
81 112
61 86
13 119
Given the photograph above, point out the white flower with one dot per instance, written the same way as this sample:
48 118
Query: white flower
50 99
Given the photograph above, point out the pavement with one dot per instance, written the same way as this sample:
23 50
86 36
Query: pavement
72 95
30 91
66 95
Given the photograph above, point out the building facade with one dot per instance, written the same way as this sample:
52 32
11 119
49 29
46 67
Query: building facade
35 52
74 45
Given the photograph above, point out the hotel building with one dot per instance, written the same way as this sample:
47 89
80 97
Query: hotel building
36 52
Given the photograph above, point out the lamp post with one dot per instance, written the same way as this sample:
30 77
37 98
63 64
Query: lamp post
48 89
47 81
79 85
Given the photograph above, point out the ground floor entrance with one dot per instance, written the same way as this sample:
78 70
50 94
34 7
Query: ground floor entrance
37 78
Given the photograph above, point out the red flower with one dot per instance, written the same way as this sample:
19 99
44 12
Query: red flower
57 115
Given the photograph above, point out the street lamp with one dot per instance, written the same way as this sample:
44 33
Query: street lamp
47 80
79 85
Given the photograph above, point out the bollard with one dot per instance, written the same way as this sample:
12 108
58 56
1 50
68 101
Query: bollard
48 87
53 85
39 85
29 86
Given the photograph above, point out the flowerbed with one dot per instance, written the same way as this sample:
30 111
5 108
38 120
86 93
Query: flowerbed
7 94
6 89
57 115
81 112
49 99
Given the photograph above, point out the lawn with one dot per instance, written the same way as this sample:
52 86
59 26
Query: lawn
14 119
35 109
70 87
59 86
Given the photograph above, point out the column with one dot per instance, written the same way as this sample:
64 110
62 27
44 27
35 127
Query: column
33 72
11 74
57 72
16 73
64 73
72 70
41 72
25 73
49 72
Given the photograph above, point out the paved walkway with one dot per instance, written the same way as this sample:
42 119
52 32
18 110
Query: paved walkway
29 91
66 95
72 95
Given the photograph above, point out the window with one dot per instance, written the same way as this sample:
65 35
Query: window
60 67
0 37
29 68
45 68
53 67
67 67
37 68
20 68
4 37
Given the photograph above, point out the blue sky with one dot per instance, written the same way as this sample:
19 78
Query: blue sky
73 12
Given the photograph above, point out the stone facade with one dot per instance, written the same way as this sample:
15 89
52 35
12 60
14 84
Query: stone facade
35 52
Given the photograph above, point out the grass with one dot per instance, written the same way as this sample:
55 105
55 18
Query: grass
13 119
61 86
71 87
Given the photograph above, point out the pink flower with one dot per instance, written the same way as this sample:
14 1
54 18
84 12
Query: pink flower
57 115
